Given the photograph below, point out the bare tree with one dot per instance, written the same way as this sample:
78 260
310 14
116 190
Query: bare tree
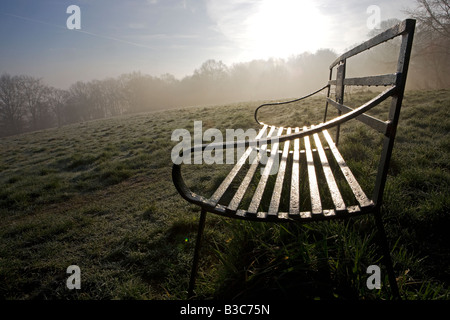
112 94
34 94
209 82
57 100
11 103
432 42
433 15
78 103
136 88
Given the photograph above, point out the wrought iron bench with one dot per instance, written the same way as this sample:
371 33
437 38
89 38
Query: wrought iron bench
289 144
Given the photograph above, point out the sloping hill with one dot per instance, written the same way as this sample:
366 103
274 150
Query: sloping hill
99 195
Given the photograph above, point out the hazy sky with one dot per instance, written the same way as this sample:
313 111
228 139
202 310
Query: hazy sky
173 36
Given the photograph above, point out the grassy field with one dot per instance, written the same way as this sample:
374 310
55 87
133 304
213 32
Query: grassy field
99 195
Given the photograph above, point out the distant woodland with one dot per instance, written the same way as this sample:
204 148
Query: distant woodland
28 104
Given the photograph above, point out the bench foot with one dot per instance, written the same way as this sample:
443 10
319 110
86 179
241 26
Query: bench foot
201 227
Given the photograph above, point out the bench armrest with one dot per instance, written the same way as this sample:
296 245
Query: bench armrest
286 102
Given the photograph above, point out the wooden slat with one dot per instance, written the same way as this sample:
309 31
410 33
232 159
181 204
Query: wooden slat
237 198
332 186
351 180
374 123
294 203
380 80
257 196
316 204
276 195
215 198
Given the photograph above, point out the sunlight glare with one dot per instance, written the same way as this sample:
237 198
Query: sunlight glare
281 28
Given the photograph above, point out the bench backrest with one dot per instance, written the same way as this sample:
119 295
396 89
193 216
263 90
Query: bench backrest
396 80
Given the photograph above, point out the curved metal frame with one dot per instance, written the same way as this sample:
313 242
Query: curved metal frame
286 102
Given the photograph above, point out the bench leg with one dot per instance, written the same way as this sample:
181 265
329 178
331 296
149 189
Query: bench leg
201 227
387 255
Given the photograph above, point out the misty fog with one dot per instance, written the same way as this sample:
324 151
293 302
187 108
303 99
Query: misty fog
28 104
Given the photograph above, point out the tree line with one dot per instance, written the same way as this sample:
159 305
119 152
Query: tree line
28 104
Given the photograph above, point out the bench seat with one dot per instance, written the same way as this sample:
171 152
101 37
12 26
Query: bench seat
289 157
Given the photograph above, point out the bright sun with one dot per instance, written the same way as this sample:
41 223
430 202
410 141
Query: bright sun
281 28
